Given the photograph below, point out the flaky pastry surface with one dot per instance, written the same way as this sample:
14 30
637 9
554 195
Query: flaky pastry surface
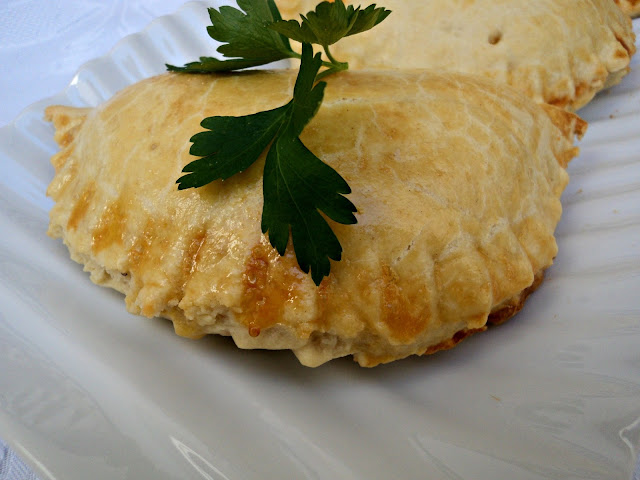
457 182
560 52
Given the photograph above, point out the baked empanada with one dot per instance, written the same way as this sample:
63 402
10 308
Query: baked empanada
560 52
457 181
630 7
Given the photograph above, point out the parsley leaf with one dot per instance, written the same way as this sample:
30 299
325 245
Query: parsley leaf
246 41
368 18
299 189
231 146
295 183
331 22
212 64
298 185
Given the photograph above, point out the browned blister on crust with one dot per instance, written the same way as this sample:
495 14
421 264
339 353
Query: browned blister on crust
560 52
457 181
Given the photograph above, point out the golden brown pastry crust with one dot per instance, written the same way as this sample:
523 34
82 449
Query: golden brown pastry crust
560 52
630 7
457 181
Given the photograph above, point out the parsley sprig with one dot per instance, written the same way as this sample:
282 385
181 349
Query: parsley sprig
298 187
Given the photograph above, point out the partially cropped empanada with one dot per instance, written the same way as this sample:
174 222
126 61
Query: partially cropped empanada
560 52
457 181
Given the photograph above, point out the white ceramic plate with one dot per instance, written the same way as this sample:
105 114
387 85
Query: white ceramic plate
89 391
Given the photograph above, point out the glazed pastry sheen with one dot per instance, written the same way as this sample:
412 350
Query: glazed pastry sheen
457 181
560 52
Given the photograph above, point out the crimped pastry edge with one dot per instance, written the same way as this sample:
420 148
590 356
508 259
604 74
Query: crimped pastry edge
319 347
630 7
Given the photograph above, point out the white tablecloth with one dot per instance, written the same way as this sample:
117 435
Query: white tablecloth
42 44
12 467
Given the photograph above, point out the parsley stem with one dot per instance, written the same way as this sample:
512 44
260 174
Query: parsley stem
329 56
331 70
334 67
324 63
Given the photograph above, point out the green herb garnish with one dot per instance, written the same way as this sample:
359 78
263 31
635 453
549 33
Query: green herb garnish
297 185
